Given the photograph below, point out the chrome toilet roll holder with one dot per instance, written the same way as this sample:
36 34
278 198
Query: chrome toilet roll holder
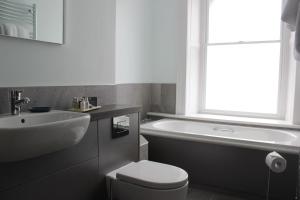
276 164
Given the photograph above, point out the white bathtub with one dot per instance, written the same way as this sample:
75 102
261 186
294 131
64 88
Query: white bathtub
251 137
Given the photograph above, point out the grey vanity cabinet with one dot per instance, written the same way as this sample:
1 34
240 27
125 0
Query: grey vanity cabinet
76 173
67 173
75 183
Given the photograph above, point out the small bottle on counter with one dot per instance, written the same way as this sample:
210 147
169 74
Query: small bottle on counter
82 104
87 103
75 103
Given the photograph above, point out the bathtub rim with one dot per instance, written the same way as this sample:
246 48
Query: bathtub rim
233 120
218 140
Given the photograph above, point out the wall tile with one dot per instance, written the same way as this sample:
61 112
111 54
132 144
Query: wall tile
135 94
163 98
152 97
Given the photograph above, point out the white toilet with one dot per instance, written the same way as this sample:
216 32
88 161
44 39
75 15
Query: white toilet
147 180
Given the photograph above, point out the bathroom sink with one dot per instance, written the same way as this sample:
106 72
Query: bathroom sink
31 135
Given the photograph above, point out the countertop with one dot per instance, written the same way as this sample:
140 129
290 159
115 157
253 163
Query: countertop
108 111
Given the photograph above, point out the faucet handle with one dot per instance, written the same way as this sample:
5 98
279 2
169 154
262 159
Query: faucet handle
15 95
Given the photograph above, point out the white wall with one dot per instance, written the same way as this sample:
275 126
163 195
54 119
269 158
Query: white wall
86 58
106 42
170 27
150 40
134 52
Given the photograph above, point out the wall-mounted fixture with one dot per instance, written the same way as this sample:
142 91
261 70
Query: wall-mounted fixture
120 127
16 101
32 19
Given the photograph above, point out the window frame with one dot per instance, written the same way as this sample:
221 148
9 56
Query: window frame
283 67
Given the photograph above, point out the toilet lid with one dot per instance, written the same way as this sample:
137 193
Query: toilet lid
153 175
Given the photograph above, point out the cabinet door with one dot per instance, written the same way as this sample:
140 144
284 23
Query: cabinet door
116 152
80 182
23 172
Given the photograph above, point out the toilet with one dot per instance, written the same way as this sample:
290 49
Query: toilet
147 180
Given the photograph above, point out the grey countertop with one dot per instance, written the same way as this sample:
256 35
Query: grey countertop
108 111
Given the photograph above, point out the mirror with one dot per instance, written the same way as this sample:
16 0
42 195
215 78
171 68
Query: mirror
40 20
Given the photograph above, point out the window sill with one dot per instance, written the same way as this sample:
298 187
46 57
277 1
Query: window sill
244 121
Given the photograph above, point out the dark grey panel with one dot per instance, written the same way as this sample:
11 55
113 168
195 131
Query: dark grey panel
196 193
16 173
135 94
285 185
4 101
106 93
152 97
77 172
114 153
163 98
109 111
60 97
76 183
226 167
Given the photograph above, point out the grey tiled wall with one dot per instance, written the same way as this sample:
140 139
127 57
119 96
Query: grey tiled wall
152 97
163 98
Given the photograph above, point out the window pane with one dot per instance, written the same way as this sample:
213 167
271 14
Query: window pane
244 20
243 77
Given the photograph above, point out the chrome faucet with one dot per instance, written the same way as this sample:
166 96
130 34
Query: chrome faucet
16 101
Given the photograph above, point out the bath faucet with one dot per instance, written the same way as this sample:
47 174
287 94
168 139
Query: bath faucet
16 101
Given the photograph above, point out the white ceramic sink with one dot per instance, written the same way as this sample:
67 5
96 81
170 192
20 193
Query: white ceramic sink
31 135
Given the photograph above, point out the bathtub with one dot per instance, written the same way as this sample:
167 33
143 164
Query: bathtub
242 136
227 157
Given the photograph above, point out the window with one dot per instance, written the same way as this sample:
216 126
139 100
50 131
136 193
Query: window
242 58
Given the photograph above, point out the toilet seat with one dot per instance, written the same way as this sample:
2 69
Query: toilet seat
153 175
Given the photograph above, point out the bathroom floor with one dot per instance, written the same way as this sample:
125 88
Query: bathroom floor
200 194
